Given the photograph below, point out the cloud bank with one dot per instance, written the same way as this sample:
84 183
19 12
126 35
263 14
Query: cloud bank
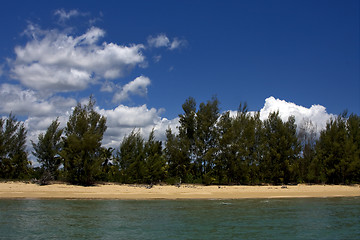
55 61
26 102
316 113
58 62
123 119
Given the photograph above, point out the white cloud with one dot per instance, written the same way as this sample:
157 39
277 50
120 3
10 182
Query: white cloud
159 41
130 117
108 86
177 43
63 15
57 62
163 41
316 113
40 124
120 122
39 110
51 78
123 119
26 102
136 87
37 125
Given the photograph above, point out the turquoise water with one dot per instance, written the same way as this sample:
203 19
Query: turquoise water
319 218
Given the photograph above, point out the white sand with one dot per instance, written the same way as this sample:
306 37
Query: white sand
185 191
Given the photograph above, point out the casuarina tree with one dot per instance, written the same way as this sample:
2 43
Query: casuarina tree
47 150
82 151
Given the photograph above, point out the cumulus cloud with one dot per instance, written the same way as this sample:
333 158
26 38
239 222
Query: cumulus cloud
39 110
26 102
136 87
55 61
130 117
163 41
120 122
316 113
36 125
123 119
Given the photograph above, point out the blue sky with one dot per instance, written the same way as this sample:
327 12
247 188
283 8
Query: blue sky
142 59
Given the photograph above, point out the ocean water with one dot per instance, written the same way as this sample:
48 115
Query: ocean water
316 218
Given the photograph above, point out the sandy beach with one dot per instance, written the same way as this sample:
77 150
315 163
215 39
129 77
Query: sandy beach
16 190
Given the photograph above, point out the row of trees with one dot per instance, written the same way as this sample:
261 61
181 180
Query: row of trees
208 147
243 149
214 148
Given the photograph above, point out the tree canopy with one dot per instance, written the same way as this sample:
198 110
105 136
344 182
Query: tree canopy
208 147
13 155
82 148
47 150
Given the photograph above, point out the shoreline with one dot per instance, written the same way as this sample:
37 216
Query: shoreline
23 190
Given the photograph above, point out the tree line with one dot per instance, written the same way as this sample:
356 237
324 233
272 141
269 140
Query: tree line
208 148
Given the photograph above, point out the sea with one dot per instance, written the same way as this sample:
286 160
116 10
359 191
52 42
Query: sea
298 218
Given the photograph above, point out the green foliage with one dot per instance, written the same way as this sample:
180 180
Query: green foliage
107 172
209 148
280 149
177 156
306 168
13 155
47 151
337 151
154 160
247 144
240 149
353 149
191 154
140 161
82 144
225 162
131 158
239 146
206 136
180 150
187 126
